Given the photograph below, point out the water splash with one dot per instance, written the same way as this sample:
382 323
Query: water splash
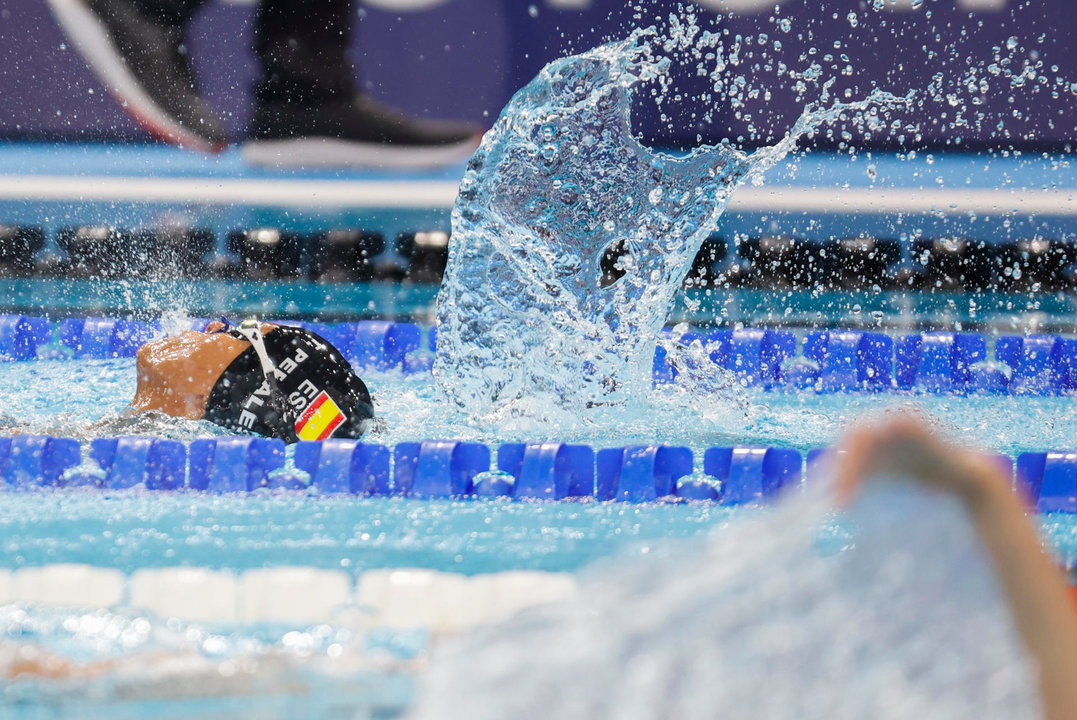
905 622
527 309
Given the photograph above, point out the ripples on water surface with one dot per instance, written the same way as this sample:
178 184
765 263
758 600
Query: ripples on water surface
132 530
85 399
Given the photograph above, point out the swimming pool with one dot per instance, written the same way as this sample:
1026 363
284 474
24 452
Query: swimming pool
225 538
294 602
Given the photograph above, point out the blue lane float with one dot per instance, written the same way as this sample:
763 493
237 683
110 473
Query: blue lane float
1041 364
548 471
828 360
664 371
989 380
234 464
432 469
438 468
640 473
21 336
938 362
104 337
752 475
153 463
850 360
753 355
378 344
1048 480
345 466
28 461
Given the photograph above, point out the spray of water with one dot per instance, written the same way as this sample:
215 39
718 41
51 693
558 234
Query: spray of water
527 309
905 622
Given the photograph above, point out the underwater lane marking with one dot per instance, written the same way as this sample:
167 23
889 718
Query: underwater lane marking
397 598
441 194
67 582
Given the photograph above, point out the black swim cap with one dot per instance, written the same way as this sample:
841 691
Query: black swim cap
310 392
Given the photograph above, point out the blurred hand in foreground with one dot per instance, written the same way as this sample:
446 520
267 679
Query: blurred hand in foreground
905 445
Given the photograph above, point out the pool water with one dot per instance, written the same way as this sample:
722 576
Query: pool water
530 222
345 671
129 530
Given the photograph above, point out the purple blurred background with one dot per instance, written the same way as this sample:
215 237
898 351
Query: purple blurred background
1004 71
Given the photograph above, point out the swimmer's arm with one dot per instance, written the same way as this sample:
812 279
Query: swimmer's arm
1037 594
1034 587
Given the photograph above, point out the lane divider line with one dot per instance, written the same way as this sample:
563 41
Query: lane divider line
398 598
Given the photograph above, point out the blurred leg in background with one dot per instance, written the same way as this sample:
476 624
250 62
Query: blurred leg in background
308 110
137 49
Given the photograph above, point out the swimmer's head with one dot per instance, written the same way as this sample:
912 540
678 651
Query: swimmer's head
290 384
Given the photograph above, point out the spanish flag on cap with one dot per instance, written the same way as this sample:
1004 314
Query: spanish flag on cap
320 419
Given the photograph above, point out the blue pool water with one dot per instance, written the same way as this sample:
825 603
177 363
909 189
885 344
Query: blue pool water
135 530
129 530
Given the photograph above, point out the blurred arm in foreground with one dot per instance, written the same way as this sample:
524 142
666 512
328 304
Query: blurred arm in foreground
1034 587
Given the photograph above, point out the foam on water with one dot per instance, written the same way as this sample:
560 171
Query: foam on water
526 310
906 622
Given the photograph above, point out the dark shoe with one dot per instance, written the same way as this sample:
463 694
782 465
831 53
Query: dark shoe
359 132
142 62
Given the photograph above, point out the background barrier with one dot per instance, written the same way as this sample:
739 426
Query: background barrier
1013 262
465 58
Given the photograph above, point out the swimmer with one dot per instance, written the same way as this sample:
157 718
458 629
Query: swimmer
1035 589
277 381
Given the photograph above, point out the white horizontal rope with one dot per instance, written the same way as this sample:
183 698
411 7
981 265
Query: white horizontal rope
985 201
229 191
393 598
441 194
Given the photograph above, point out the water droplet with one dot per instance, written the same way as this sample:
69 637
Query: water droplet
489 285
